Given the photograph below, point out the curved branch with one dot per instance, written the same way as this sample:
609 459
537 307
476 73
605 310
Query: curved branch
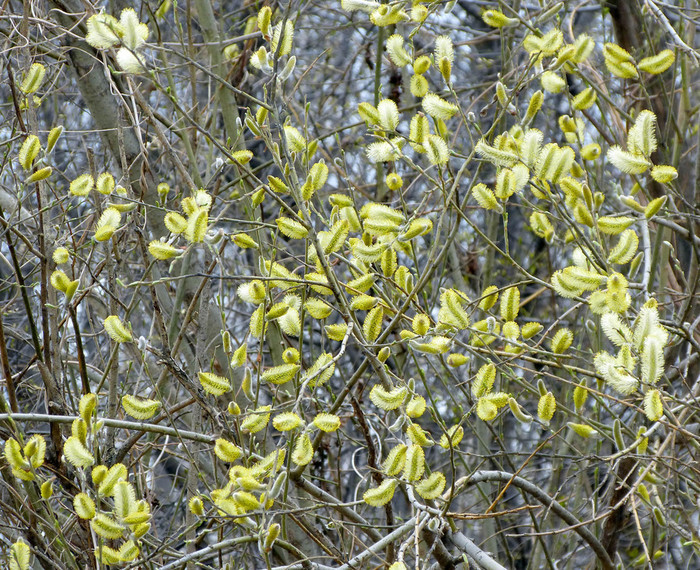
549 502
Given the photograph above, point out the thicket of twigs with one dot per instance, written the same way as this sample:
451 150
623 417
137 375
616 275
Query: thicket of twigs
349 284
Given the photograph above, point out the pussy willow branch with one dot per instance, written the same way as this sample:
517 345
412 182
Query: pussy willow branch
205 553
123 424
361 560
334 503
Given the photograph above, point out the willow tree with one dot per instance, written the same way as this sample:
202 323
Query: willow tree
349 285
